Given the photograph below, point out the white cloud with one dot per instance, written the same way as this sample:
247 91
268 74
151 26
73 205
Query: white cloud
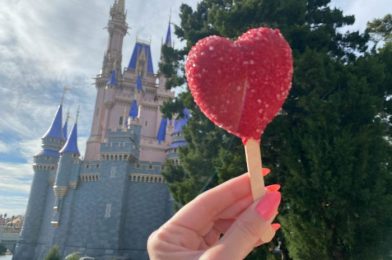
3 147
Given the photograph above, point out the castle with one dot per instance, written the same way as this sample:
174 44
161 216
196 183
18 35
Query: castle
106 204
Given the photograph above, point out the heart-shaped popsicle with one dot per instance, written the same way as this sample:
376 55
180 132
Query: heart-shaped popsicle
241 85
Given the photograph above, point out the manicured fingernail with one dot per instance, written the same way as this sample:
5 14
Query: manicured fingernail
275 226
265 171
268 205
273 187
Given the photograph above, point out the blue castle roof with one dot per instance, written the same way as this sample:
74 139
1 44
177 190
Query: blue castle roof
168 40
49 153
71 146
181 122
65 128
179 143
134 111
56 128
137 50
112 80
161 136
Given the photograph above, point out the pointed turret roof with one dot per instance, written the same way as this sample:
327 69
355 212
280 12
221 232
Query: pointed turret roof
71 146
134 110
56 128
65 127
168 40
161 135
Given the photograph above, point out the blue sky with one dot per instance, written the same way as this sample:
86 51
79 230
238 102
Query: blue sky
45 45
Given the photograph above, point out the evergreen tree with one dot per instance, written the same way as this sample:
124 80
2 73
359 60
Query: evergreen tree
53 254
329 147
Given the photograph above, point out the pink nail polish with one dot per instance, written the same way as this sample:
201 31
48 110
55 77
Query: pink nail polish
268 205
265 171
273 187
275 226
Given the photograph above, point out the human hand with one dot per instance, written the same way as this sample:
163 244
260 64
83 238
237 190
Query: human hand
195 231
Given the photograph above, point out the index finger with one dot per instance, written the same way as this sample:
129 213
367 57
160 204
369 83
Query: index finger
205 208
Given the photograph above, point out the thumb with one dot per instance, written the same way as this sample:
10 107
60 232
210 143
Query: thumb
251 226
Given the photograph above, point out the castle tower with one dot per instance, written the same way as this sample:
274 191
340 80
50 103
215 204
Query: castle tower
110 76
45 165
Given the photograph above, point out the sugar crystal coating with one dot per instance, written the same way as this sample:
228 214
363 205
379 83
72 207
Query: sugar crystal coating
241 85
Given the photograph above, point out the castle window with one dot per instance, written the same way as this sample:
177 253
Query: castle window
145 123
108 210
150 166
121 121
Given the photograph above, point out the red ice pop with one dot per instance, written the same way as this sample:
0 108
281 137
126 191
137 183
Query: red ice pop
241 86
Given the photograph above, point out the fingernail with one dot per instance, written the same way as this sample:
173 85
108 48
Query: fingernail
265 171
268 205
275 226
273 187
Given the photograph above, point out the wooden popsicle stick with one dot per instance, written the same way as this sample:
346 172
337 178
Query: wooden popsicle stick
253 162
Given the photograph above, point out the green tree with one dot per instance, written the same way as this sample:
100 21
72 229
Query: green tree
381 29
328 149
53 254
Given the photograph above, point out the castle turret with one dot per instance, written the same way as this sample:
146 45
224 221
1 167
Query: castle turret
178 139
66 181
69 157
45 164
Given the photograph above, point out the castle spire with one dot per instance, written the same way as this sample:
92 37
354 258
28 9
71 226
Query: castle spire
117 28
65 127
121 6
71 146
168 39
56 128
